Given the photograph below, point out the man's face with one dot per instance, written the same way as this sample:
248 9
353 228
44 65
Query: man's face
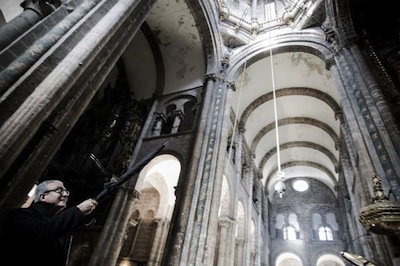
56 194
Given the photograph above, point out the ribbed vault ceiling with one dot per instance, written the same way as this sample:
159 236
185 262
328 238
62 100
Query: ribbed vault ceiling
306 105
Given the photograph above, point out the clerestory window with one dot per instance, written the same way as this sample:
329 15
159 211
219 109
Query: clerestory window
289 233
325 233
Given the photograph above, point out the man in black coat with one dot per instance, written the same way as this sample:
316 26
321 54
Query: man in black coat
41 234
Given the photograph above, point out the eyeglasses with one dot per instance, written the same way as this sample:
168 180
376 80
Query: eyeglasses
59 190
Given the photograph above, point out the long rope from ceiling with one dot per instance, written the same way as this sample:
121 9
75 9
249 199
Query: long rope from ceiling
240 89
279 184
275 109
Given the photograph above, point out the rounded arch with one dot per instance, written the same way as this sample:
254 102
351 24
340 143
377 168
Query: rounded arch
288 259
149 214
241 219
249 55
226 206
208 22
161 173
135 215
329 260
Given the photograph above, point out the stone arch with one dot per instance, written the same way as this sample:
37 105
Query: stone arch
225 209
177 114
288 259
256 53
329 260
241 220
152 210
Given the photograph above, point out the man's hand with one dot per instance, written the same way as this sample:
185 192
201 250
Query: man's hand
87 206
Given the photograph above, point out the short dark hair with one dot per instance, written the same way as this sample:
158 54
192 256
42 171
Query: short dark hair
42 188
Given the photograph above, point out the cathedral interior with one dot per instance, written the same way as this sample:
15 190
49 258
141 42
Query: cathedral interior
269 129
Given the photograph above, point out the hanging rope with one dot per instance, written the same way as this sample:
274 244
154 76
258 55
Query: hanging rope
279 185
275 111
240 92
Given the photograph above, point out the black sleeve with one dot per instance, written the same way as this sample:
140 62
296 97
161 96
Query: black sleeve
42 227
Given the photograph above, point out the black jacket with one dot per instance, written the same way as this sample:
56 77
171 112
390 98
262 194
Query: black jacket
35 236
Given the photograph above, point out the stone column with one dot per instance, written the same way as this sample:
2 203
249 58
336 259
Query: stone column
383 131
42 45
347 161
158 243
34 11
159 120
250 207
260 227
355 135
379 149
239 256
374 90
224 224
178 116
56 75
367 137
110 241
239 149
199 233
231 244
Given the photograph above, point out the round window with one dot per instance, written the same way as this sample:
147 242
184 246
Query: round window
300 185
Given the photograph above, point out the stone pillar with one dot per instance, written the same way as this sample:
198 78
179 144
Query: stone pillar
239 256
159 120
347 161
380 149
367 135
199 241
224 224
41 46
110 241
363 161
250 207
246 174
178 116
374 90
260 226
231 244
34 11
55 75
158 243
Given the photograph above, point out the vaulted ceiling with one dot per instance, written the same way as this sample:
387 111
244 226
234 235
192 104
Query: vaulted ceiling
304 107
306 98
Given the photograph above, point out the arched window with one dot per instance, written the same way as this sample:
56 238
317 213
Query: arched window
289 233
170 117
189 111
325 234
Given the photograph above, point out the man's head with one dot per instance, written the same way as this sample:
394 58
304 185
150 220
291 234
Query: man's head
52 191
